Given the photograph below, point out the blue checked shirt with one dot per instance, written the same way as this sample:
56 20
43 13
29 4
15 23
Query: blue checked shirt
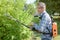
44 23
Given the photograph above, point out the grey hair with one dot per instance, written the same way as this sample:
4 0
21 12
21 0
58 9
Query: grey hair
42 4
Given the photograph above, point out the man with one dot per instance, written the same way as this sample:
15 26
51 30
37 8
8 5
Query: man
45 25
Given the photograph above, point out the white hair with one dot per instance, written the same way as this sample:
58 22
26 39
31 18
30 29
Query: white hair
42 4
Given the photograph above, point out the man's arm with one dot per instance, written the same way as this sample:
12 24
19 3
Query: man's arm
42 25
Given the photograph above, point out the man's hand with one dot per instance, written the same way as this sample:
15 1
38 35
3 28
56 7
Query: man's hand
32 27
31 24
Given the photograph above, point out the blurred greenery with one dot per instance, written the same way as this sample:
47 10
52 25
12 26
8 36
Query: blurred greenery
9 28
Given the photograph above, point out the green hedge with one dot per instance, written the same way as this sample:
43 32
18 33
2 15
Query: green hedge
10 29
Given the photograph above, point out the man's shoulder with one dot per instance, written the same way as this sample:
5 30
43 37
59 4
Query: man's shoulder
46 16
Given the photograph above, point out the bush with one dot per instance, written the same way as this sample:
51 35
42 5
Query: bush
9 28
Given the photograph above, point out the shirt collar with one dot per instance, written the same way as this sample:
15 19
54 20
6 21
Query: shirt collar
42 13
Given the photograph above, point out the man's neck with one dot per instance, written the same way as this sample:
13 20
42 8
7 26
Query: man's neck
42 13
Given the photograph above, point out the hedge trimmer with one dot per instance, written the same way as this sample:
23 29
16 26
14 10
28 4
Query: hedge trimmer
18 21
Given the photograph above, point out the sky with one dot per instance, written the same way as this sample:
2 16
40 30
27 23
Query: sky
30 1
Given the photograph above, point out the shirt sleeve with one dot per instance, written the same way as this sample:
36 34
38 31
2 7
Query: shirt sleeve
42 25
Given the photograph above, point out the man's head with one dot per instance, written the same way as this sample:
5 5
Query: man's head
41 7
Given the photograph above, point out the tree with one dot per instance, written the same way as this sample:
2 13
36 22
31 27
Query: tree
9 28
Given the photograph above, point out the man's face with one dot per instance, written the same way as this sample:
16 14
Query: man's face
40 9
